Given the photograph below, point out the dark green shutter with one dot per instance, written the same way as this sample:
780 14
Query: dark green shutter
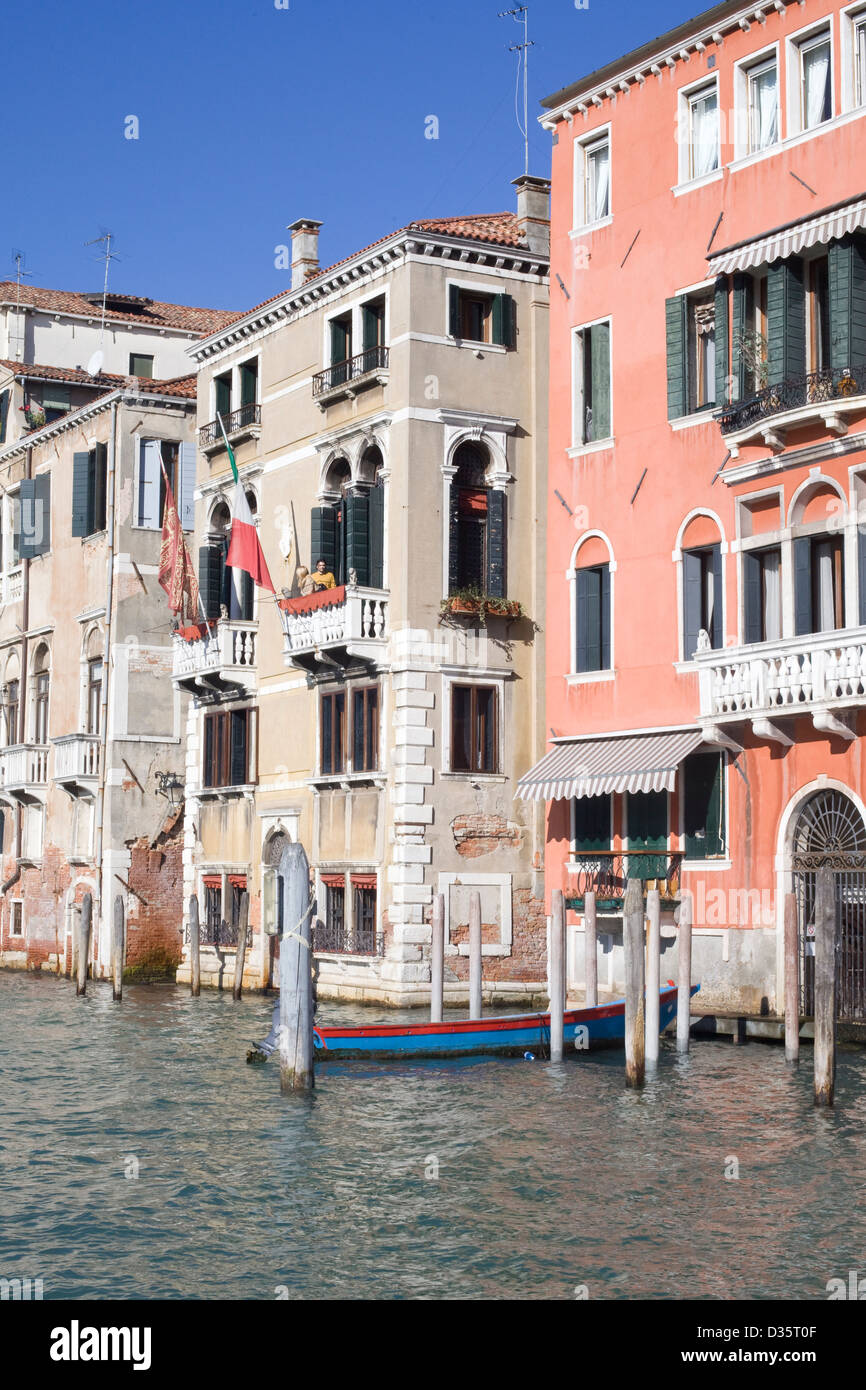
703 806
239 774
742 324
497 526
721 340
249 374
692 571
786 321
604 618
716 637
676 336
647 818
357 511
35 497
847 283
210 573
454 310
803 586
591 824
4 412
377 536
323 537
453 538
247 594
223 396
80 493
599 348
753 625
589 636
503 320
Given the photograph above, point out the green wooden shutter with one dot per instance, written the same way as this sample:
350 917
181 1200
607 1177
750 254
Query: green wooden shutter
753 626
80 493
357 512
503 320
453 539
377 536
604 618
249 374
323 537
847 282
803 586
742 324
35 499
716 634
703 806
239 773
589 635
676 337
721 338
647 818
497 528
591 824
692 571
454 310
786 321
210 573
4 413
223 396
599 347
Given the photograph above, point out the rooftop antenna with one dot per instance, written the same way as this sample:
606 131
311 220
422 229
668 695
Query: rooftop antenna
520 15
20 272
94 366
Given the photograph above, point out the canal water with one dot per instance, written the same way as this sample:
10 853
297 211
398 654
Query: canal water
140 1157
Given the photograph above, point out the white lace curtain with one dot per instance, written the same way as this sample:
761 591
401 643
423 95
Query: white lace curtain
705 134
816 81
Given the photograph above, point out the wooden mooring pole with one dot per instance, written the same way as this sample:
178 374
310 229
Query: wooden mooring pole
84 926
475 954
557 976
437 957
117 952
635 1015
825 987
296 972
684 976
243 924
653 970
792 981
194 949
590 949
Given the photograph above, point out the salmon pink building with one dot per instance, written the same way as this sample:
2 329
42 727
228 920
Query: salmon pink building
706 586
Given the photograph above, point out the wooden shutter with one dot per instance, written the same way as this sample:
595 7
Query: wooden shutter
377 536
35 497
246 593
210 573
753 624
716 635
503 320
323 537
599 350
676 336
186 485
497 528
743 319
591 823
803 586
80 493
703 806
453 538
454 310
604 618
4 414
589 626
149 477
847 283
223 396
249 374
786 321
721 339
692 596
239 773
357 513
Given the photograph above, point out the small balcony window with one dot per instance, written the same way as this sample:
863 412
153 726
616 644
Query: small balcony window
365 728
762 571
592 384
474 729
815 98
704 805
140 365
332 714
703 132
229 748
763 91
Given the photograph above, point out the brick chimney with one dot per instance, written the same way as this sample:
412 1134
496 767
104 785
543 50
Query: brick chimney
305 250
533 212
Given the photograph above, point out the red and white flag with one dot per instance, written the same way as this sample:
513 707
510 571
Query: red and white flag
245 549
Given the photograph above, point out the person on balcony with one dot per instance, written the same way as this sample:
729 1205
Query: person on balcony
322 577
305 582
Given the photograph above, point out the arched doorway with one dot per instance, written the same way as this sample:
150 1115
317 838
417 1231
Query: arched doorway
829 832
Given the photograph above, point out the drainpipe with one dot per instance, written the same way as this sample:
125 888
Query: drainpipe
106 665
22 688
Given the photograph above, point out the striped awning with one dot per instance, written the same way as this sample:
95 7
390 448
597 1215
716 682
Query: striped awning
791 239
593 767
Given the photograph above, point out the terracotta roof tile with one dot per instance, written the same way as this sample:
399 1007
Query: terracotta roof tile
184 386
140 310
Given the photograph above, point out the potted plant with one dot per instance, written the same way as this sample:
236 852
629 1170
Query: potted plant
468 600
501 608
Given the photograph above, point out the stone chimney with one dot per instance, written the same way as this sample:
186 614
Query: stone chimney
533 212
305 250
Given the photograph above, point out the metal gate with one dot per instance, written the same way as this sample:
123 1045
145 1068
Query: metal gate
830 834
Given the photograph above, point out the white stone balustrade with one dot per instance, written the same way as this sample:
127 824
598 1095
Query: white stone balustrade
356 622
76 757
228 650
791 675
24 765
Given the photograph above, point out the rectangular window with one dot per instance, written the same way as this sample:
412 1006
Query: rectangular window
213 907
474 731
56 402
818 315
762 571
815 102
150 502
364 913
89 491
94 695
249 381
229 748
592 384
331 934
704 806
365 729
703 132
763 97
702 351
16 917
859 62
15 538
827 587
223 394
11 706
341 348
140 365
591 821
40 711
475 317
597 180
373 324
332 714
647 831
702 598
593 619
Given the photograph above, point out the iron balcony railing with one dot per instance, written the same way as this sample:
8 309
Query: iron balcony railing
343 373
336 939
215 933
240 419
828 386
606 873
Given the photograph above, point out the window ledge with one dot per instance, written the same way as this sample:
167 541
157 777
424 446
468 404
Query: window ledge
473 776
704 416
690 185
587 228
596 447
478 347
95 536
589 677
743 161
223 793
345 780
706 865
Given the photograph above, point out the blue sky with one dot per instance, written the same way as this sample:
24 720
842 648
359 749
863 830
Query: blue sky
250 116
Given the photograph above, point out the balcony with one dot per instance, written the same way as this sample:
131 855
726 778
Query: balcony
23 771
606 873
828 397
76 763
368 368
241 424
817 675
217 660
335 628
13 585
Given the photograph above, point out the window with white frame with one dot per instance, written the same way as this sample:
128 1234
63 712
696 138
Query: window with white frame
762 103
701 133
814 80
860 59
852 33
592 179
591 384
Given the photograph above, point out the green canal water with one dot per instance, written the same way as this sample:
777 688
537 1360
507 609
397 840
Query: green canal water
140 1157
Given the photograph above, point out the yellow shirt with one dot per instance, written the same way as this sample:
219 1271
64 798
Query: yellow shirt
324 581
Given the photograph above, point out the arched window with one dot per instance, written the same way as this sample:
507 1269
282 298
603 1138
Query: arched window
477 523
702 597
272 897
40 692
592 645
819 561
94 676
222 587
347 531
11 700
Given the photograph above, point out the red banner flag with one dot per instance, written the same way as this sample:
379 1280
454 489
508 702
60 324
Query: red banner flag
176 573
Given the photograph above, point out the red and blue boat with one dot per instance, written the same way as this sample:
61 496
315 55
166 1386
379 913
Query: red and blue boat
510 1035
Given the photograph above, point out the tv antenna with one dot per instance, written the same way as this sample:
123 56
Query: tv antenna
20 273
520 15
94 366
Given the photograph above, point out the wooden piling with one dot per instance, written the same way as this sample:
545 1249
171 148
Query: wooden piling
475 954
244 915
684 977
296 972
557 977
653 971
85 923
635 1016
792 981
825 987
194 949
437 958
117 950
590 949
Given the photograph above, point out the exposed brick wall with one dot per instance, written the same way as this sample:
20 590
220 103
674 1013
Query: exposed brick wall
43 892
528 959
479 834
155 906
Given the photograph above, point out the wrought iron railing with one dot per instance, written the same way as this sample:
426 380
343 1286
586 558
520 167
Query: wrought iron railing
831 384
337 939
342 373
239 419
606 873
215 933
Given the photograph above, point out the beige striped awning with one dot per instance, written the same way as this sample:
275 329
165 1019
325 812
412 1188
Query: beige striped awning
593 767
790 239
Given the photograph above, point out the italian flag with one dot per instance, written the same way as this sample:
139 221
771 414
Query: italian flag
245 548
